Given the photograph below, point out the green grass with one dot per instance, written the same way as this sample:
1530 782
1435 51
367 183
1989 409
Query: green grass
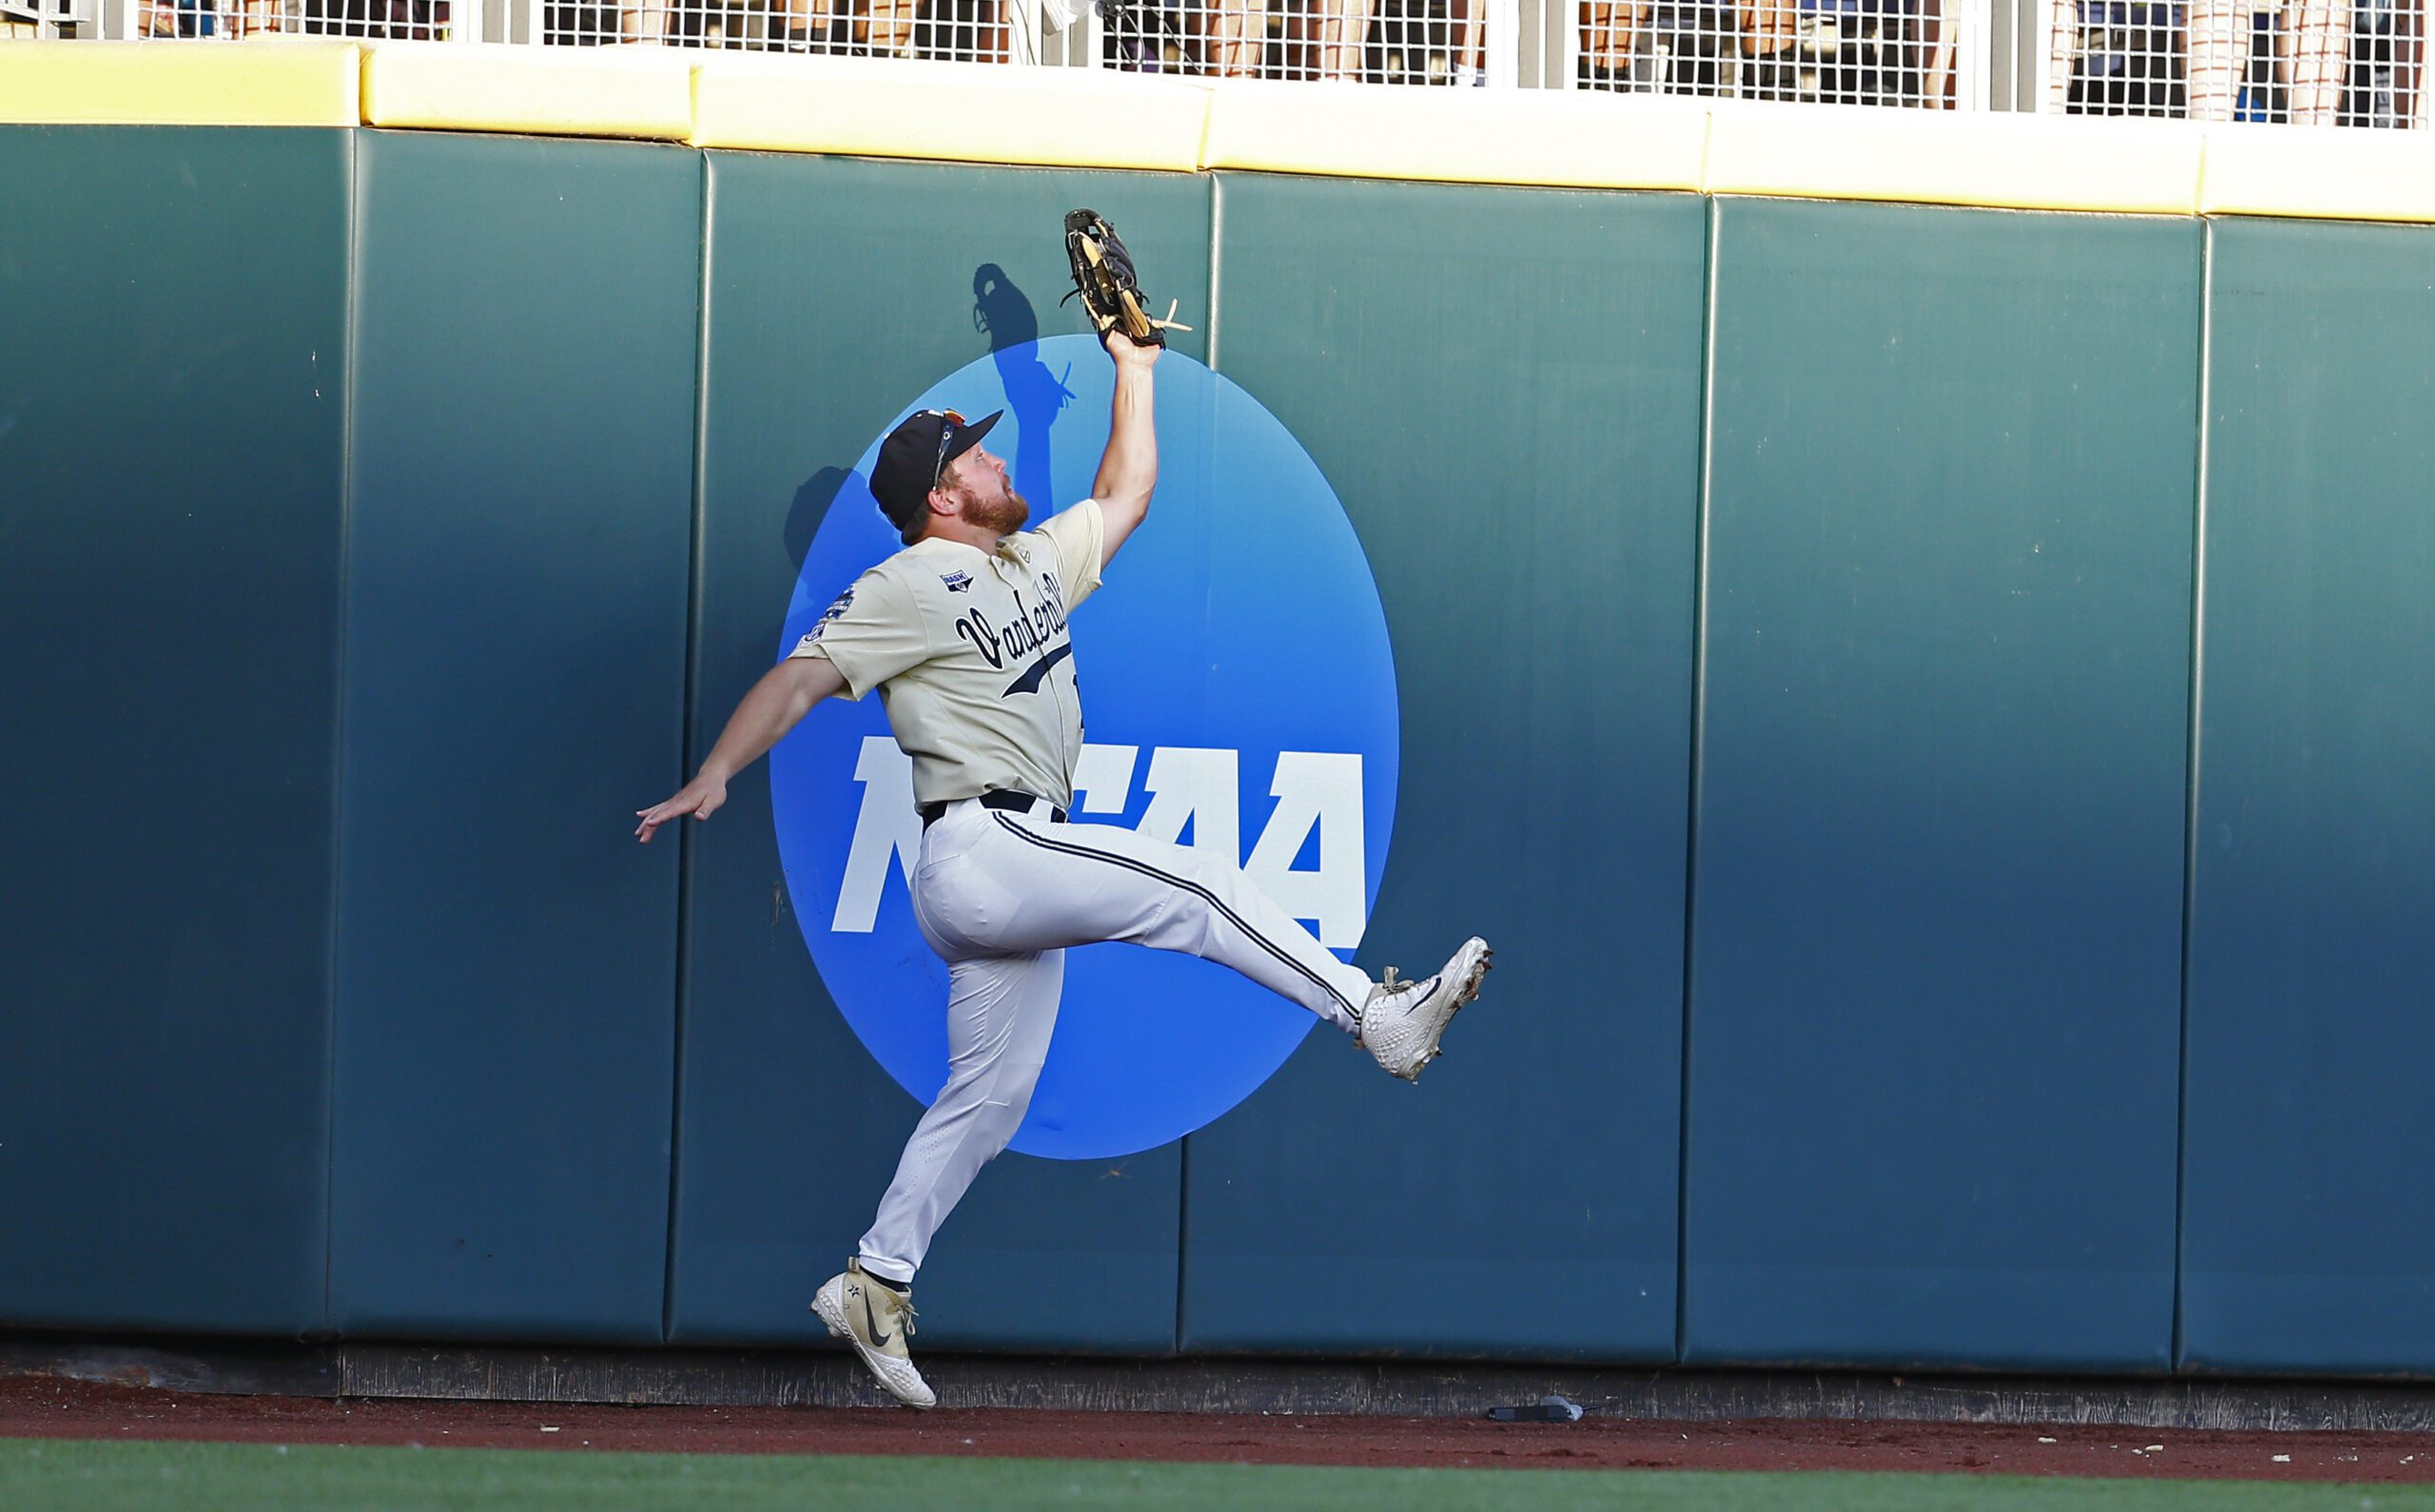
45 1474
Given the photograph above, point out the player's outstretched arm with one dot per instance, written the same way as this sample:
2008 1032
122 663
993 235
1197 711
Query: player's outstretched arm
1129 470
783 696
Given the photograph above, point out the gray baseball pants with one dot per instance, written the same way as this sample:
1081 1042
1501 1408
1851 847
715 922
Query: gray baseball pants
1000 895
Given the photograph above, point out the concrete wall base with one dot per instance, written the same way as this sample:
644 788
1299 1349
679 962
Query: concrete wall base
1399 1389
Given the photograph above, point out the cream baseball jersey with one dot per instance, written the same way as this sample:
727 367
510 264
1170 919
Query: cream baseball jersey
971 654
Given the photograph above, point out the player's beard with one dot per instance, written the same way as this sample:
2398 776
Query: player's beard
1004 517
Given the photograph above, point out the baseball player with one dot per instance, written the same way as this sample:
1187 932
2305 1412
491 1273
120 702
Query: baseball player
964 634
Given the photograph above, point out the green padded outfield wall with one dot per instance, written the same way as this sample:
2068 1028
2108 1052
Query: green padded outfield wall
1795 645
2310 1207
1935 1026
522 474
172 390
1527 491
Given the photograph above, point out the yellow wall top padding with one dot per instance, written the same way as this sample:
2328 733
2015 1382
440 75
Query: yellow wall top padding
1473 135
637 91
261 82
1086 118
2296 171
958 111
2016 161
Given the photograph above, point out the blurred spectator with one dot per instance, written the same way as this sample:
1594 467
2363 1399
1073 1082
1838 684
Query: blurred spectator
1607 36
803 26
1862 52
2308 62
2378 62
2315 45
884 27
1425 42
1295 30
1235 38
2218 46
963 31
181 18
1469 65
1672 46
2118 57
1848 52
211 18
1343 37
245 18
1148 37
1770 65
1936 40
1684 40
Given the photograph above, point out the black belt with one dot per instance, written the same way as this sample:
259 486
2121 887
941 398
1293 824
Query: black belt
1011 801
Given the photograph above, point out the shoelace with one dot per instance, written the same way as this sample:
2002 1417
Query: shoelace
900 1304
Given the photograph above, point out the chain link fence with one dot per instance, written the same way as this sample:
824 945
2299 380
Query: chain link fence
1440 42
2351 63
1875 52
236 20
1413 42
2344 63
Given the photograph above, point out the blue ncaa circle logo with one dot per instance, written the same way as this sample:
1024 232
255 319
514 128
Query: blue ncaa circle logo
1239 694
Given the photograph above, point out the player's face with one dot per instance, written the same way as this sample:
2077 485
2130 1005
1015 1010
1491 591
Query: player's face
977 481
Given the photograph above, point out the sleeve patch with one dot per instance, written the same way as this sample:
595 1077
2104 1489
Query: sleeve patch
827 617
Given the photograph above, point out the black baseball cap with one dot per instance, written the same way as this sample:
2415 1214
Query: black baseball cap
912 458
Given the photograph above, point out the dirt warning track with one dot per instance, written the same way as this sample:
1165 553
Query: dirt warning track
45 1406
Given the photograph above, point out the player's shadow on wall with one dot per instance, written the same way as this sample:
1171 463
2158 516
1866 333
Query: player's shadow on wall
810 507
1000 310
1004 313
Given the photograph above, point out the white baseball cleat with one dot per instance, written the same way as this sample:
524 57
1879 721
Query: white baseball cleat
1402 1020
876 1320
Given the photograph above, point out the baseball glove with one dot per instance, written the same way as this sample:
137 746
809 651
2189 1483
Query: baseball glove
1104 278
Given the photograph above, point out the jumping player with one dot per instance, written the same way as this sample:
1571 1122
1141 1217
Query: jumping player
965 634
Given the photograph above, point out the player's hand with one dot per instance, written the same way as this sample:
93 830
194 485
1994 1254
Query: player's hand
700 798
1127 352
